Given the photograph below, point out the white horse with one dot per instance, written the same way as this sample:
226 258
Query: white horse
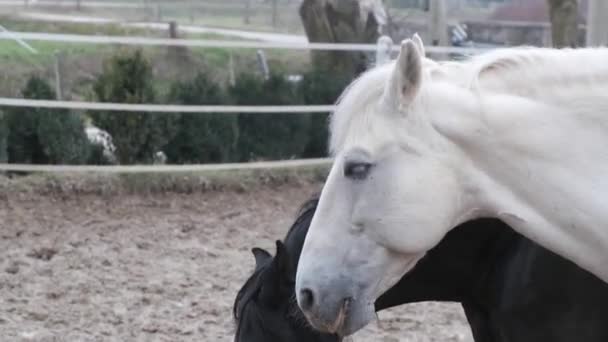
420 147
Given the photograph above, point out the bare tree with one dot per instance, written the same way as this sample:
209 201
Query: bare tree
564 24
338 21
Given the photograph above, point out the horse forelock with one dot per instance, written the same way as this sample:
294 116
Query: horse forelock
357 103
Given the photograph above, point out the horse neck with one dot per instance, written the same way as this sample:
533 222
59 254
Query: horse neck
457 269
536 158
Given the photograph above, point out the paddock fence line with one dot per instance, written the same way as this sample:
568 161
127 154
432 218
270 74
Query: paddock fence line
212 43
262 165
163 108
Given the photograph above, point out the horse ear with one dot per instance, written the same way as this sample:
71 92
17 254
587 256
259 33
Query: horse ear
419 44
279 283
406 79
282 261
261 256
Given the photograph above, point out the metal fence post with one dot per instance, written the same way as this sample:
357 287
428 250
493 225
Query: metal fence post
384 47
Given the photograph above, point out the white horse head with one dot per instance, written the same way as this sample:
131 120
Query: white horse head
390 167
416 153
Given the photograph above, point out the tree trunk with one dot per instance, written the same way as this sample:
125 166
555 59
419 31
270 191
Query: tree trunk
338 21
597 25
564 24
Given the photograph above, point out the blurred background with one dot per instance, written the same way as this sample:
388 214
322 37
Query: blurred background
59 69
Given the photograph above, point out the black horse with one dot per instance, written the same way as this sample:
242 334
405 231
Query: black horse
511 289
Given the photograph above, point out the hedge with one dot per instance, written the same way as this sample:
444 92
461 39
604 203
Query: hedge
45 136
269 136
127 78
202 138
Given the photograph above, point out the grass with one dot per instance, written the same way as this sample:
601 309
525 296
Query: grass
11 51
66 184
83 61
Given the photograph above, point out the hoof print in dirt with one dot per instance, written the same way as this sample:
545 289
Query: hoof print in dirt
43 253
187 228
143 245
12 268
150 329
37 316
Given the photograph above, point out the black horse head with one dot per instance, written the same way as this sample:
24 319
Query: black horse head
511 289
265 308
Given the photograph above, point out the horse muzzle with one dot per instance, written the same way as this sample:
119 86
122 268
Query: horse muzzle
343 316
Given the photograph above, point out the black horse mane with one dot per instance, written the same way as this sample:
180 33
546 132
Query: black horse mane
254 283
307 209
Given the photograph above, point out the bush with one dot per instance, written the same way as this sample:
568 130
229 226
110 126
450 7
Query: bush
137 136
319 88
63 139
269 136
202 138
43 136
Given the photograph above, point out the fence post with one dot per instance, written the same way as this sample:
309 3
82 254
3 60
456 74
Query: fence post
58 77
231 73
173 30
179 52
263 64
157 12
247 14
597 26
384 48
438 22
275 13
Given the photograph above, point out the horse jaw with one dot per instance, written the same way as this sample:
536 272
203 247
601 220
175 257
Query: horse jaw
360 257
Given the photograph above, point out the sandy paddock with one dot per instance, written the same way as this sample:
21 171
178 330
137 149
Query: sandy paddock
161 267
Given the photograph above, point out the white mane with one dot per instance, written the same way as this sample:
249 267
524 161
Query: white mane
524 71
357 102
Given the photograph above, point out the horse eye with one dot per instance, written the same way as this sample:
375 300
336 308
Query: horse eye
355 170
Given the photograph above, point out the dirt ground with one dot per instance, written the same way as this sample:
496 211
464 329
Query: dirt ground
156 268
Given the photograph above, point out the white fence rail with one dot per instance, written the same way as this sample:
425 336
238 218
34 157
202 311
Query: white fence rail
266 165
241 44
162 108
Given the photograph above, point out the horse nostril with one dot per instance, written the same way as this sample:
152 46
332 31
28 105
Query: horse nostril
307 299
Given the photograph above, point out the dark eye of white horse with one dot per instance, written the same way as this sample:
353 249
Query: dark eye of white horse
356 170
